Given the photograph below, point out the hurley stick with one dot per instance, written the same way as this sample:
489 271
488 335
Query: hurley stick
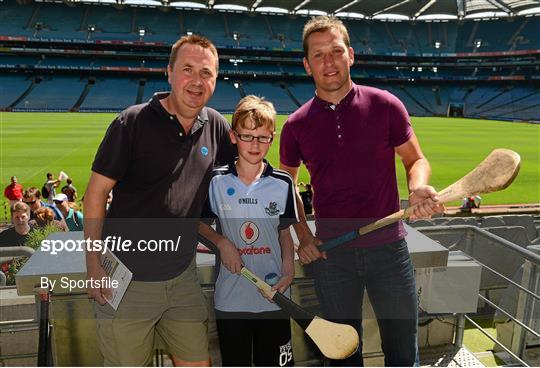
334 340
496 172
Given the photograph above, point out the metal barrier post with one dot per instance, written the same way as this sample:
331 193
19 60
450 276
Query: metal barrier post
469 241
529 277
459 330
44 341
6 218
3 279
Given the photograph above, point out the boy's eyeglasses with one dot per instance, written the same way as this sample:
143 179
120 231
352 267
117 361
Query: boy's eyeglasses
30 202
250 138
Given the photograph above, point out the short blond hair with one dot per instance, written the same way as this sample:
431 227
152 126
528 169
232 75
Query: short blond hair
20 207
324 23
260 111
193 39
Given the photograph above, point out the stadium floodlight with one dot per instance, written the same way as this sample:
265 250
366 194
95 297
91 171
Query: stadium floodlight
189 33
91 29
478 43
142 32
435 69
236 85
420 68
225 78
437 44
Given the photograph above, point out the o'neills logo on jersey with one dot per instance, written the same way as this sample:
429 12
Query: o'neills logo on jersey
247 201
254 250
249 232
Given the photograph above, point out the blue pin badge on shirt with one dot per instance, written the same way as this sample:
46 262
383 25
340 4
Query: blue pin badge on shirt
204 150
271 279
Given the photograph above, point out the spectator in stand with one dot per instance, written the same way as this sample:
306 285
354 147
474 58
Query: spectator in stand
73 218
32 197
69 190
14 191
44 216
471 202
50 185
18 233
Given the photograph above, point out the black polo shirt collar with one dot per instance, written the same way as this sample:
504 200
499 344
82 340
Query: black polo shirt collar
268 170
200 120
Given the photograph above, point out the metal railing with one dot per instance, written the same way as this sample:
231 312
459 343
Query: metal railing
531 268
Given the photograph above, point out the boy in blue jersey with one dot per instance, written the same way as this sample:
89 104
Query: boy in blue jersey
254 205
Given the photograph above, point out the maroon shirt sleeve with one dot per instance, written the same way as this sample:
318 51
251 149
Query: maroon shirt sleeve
400 123
289 151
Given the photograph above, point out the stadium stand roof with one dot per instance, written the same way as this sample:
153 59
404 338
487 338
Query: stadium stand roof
407 9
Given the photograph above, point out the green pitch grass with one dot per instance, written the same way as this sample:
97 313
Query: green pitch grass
32 144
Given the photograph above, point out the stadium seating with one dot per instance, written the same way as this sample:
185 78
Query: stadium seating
113 94
11 87
14 19
59 21
157 24
225 98
261 30
58 93
154 85
303 92
120 22
272 92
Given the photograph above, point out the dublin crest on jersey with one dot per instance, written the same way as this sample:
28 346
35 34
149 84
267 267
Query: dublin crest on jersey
272 209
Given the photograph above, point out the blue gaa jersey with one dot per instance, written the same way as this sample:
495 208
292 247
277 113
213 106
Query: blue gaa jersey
250 216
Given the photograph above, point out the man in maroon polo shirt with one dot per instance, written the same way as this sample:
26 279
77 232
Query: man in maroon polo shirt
347 136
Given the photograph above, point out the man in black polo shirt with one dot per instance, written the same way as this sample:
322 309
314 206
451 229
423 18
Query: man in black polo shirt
158 157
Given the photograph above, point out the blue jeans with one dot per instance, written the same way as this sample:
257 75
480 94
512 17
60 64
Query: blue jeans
386 272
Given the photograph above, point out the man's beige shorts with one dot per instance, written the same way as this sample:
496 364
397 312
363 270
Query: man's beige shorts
174 309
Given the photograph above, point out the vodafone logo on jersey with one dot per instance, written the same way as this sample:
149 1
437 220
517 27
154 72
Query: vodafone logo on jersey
254 251
249 232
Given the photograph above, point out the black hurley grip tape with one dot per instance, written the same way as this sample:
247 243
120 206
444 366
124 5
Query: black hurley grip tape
301 316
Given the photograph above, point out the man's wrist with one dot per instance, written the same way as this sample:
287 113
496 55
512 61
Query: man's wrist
221 241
